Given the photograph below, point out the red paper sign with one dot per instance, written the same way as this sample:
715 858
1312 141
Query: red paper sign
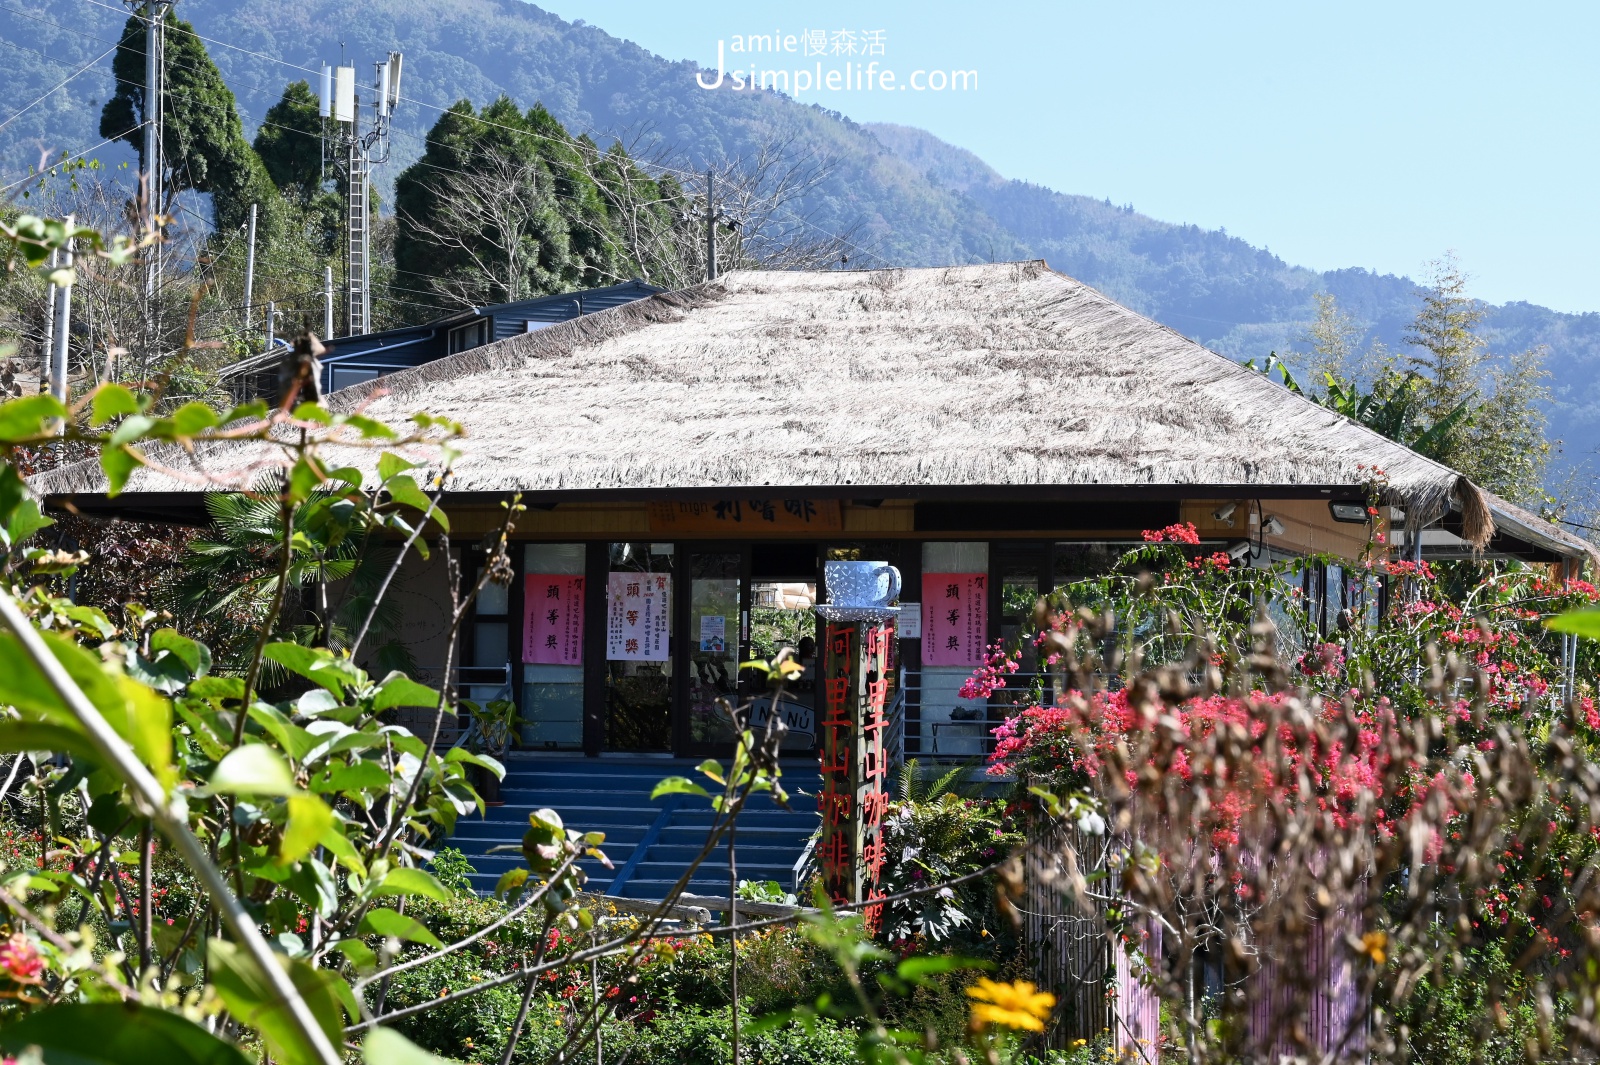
553 629
955 618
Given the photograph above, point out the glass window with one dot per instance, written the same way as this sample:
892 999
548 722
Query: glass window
639 694
714 621
952 727
552 695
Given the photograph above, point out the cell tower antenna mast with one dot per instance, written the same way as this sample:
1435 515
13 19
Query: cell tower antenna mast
362 150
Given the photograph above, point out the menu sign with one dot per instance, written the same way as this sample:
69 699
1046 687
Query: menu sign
637 608
553 604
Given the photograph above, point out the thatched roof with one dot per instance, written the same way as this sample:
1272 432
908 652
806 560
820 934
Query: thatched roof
998 375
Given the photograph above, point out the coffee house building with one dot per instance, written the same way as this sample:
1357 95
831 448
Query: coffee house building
690 462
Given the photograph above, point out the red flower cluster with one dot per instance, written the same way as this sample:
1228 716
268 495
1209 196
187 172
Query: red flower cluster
1081 739
991 676
20 960
1181 533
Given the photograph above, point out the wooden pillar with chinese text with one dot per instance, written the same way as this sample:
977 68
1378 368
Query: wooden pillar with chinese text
854 797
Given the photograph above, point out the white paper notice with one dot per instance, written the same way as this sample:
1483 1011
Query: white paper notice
713 632
910 625
637 609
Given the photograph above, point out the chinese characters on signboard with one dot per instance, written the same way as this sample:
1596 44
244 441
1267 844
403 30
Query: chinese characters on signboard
637 608
854 798
747 514
553 633
955 618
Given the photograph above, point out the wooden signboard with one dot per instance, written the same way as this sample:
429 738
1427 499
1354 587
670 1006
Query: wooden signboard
745 515
854 799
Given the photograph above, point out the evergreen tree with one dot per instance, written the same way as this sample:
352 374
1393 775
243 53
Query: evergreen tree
202 138
290 142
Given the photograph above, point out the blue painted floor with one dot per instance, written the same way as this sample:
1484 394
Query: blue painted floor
613 796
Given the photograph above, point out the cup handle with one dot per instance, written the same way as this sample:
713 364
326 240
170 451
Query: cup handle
894 583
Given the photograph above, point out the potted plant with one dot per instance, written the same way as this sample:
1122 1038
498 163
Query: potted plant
493 731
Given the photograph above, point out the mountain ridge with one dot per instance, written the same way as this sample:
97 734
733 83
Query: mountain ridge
912 198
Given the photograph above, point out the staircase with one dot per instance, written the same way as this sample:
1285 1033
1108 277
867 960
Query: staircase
650 844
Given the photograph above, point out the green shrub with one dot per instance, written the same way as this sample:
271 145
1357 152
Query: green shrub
700 1037
1451 1023
451 868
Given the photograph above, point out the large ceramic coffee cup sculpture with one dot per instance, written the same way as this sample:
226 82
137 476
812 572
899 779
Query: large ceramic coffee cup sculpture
861 584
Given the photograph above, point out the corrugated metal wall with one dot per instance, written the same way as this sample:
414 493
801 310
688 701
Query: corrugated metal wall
1072 952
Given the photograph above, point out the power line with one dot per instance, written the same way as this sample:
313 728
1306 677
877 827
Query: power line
569 141
46 95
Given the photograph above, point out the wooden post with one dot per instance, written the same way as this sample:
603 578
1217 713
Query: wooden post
850 852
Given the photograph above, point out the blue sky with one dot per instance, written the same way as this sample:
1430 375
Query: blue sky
1358 134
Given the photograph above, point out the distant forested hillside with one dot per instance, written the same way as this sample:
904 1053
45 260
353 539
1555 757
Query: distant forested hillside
907 197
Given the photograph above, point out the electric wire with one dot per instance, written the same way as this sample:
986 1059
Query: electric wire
50 92
528 133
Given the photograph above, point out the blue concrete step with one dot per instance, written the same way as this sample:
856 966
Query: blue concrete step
613 796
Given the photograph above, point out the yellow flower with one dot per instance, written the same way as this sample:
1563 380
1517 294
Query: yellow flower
1015 1005
1373 944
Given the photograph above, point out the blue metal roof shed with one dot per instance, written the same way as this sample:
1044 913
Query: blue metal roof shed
352 360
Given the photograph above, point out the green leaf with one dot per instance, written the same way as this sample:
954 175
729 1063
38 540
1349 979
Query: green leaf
404 490
355 777
253 411
343 849
510 881
193 418
318 666
30 417
919 968
405 881
390 464
678 786
253 769
712 769
461 754
361 956
385 1046
309 818
218 688
386 922
111 401
133 427
115 1033
43 736
192 653
295 741
118 461
25 520
304 478
400 690
1584 623
370 428
252 1001
138 715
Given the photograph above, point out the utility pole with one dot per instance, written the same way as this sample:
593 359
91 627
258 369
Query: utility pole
327 302
711 226
49 347
250 272
272 324
58 356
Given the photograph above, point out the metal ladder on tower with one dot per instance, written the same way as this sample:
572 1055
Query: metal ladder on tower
358 295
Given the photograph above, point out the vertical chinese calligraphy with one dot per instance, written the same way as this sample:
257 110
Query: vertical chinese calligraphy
637 609
854 795
955 618
552 619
